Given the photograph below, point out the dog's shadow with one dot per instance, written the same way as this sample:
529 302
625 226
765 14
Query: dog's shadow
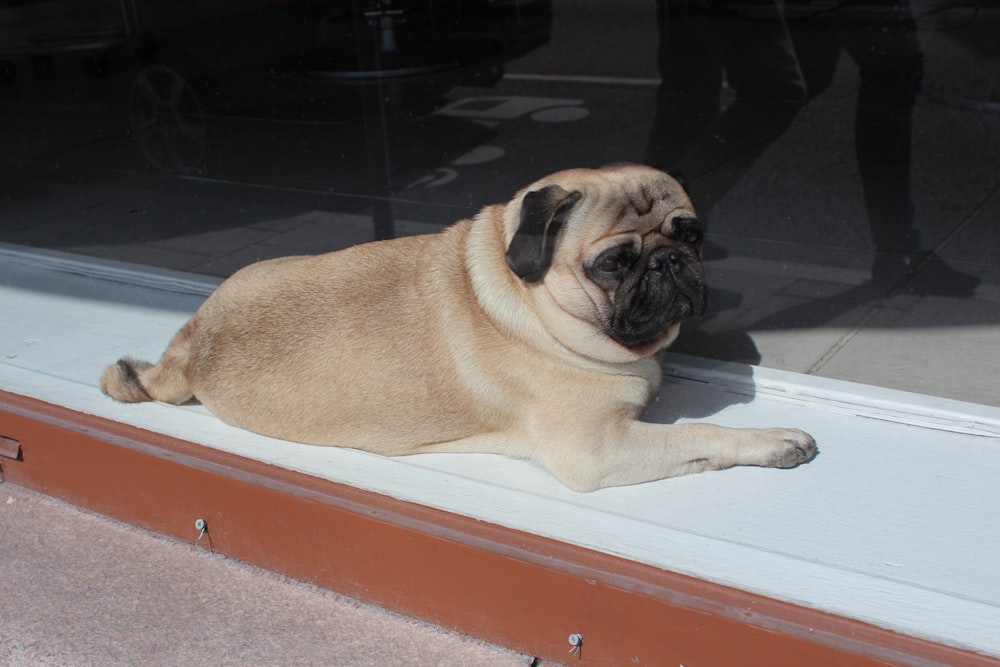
700 387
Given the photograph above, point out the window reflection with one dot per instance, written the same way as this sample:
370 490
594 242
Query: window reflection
844 153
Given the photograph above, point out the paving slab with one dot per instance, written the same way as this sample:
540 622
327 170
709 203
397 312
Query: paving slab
928 341
77 588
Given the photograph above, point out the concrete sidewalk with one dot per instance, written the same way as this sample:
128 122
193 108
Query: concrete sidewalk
80 589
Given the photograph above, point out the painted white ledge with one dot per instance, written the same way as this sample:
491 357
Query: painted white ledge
894 523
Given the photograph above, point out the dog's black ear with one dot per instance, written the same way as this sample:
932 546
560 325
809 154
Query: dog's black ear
542 215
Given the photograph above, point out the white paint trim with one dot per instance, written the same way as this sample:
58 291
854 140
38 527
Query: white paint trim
851 398
111 270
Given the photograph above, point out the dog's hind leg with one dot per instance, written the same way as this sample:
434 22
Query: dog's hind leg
133 381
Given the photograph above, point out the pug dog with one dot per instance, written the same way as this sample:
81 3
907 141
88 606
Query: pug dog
532 330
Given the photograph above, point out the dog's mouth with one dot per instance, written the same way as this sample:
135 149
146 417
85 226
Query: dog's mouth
639 335
655 314
683 307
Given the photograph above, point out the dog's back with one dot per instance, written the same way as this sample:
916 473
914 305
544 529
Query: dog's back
291 348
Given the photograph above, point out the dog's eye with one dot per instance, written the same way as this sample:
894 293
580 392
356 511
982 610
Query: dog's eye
610 264
615 259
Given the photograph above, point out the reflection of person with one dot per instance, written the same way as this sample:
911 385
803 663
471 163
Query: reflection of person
705 50
774 65
883 45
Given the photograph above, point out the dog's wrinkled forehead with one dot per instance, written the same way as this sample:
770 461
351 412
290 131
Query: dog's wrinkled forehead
649 195
626 196
565 213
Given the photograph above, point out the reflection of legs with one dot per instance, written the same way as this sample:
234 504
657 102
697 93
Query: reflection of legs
691 82
762 69
890 64
712 148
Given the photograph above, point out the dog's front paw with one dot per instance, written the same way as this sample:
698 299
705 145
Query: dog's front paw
788 447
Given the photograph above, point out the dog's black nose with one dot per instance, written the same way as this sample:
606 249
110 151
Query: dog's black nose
661 259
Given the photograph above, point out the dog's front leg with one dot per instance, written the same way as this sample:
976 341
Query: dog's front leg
642 452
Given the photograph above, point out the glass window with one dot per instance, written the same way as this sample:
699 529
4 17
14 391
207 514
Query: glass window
843 155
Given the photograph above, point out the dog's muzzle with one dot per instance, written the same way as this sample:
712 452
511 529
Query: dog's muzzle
671 288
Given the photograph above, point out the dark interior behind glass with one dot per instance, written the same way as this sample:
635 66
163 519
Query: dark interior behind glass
844 155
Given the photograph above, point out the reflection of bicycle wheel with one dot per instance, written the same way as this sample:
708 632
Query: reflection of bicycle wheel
167 120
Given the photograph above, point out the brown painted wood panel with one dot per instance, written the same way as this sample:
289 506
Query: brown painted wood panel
510 587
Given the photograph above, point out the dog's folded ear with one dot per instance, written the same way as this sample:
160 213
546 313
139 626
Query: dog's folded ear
542 215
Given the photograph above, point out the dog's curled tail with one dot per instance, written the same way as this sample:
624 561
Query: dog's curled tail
134 381
121 381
